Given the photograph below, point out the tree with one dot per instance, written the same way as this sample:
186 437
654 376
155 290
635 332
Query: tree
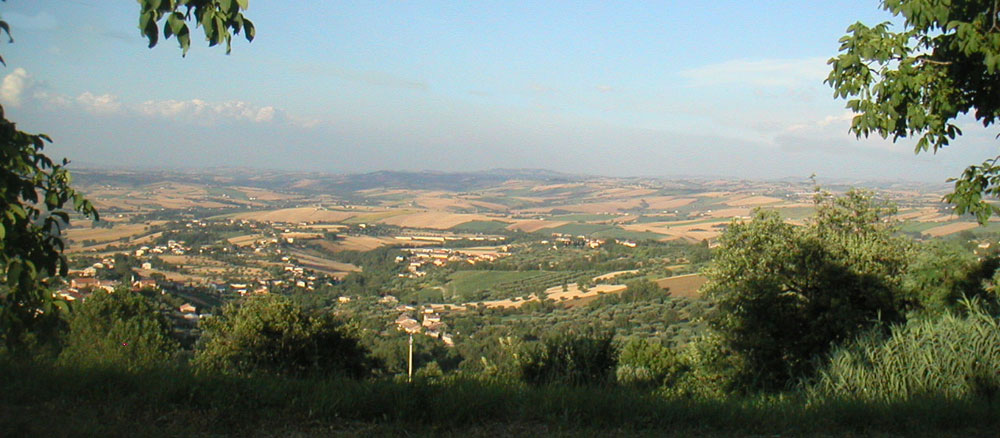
943 273
36 195
944 63
121 329
646 363
570 359
271 335
785 293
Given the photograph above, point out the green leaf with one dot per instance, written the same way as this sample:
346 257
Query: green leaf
6 28
249 30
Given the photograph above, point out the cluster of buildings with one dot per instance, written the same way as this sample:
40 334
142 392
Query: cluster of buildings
172 247
430 323
85 281
579 240
421 257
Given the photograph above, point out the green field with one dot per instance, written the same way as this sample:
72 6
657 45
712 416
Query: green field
469 285
427 295
582 217
618 233
466 283
795 212
645 219
579 229
920 227
991 227
226 191
503 200
702 204
481 227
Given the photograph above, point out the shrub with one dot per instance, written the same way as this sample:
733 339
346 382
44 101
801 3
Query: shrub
118 330
569 360
785 294
646 364
272 335
943 272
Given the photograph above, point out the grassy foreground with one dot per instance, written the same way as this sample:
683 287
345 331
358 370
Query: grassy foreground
43 400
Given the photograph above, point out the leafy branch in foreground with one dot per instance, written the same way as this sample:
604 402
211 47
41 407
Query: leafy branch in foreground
35 192
217 18
945 63
35 200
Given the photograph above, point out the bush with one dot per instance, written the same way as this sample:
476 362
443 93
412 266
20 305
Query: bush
943 272
117 330
952 356
570 360
271 335
785 294
646 364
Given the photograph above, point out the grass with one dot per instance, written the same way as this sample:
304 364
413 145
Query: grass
795 212
702 204
426 295
580 229
920 227
466 283
990 227
618 233
481 227
43 400
227 192
583 217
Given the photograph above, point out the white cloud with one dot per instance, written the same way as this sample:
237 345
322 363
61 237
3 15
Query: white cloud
838 121
99 104
760 73
53 99
18 88
204 112
14 86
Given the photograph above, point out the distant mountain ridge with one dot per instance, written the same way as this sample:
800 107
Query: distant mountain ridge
326 182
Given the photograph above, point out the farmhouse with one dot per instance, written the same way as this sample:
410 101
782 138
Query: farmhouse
144 283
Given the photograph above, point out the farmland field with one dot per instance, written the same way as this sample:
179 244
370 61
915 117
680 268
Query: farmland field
954 227
300 214
531 226
466 285
481 227
375 217
432 220
580 229
581 217
355 243
105 235
683 285
227 192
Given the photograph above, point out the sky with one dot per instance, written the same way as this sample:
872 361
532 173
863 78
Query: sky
640 88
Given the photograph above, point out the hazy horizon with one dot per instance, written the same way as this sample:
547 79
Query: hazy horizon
729 90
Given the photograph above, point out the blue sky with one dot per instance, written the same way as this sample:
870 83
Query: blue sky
725 88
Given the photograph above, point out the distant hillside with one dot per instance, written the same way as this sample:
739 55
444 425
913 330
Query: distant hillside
323 182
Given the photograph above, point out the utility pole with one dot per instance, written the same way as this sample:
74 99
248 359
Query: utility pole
409 374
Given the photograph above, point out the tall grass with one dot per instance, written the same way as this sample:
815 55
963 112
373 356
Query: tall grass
175 401
953 357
